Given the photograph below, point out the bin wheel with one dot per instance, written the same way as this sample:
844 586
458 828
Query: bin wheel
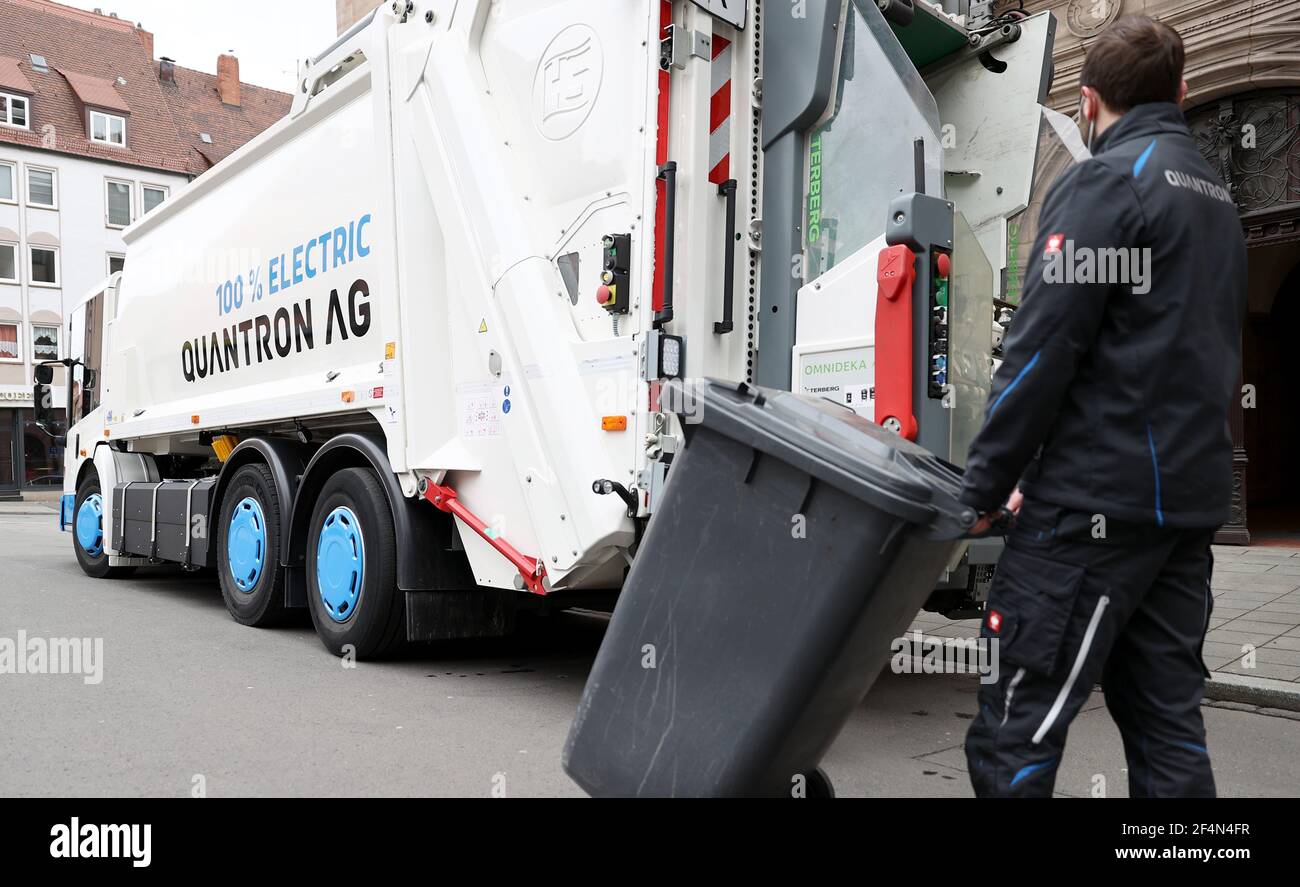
352 590
88 516
248 549
818 784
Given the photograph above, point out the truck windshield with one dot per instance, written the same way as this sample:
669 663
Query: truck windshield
861 158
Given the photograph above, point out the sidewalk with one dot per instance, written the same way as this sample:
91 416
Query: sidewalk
1256 602
43 505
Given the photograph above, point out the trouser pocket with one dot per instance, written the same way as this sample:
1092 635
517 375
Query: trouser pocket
1030 604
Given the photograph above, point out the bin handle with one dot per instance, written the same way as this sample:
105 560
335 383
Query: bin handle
1003 521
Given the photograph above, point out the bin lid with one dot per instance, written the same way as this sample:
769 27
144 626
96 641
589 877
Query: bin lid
833 444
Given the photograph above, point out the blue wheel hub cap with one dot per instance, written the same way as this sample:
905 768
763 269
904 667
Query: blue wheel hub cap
340 563
246 544
90 525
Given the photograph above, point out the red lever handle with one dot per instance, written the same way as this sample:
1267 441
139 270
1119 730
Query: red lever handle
444 498
895 276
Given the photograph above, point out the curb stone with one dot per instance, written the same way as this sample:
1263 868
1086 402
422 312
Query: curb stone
1266 693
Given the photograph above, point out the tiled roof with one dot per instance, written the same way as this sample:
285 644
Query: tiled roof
87 53
11 77
94 92
197 108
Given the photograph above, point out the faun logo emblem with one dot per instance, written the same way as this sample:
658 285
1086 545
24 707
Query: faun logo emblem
567 81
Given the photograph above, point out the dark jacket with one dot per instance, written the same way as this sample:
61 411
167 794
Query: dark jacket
1119 391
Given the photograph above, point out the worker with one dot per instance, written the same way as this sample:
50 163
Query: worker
1106 431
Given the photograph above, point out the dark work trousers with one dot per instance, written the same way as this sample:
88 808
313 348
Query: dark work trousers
1076 602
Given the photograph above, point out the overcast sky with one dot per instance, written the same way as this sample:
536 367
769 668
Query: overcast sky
269 36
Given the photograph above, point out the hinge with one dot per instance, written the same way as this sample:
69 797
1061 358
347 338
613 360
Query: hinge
680 45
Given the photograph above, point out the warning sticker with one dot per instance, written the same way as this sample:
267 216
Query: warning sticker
478 410
845 375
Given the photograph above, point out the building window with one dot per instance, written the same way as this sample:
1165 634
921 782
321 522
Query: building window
9 342
14 110
45 342
151 196
8 263
108 129
118 203
45 266
41 188
8 192
116 263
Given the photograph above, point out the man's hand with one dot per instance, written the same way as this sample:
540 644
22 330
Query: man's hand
1014 501
986 521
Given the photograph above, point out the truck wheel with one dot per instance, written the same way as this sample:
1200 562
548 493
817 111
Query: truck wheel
351 568
88 532
819 784
248 548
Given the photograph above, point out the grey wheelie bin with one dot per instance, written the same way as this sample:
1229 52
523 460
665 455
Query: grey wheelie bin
794 542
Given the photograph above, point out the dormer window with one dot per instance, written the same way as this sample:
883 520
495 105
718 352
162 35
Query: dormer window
15 110
107 129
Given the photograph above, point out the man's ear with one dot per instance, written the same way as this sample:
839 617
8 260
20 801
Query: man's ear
1088 103
1182 91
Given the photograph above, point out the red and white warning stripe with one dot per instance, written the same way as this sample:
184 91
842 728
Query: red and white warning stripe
720 112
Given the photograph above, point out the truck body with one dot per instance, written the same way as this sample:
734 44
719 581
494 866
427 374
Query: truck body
398 360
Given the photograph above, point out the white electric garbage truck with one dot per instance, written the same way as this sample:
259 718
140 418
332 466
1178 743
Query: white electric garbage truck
398 360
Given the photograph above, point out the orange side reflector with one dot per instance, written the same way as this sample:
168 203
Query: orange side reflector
105 432
194 420
613 423
223 445
349 396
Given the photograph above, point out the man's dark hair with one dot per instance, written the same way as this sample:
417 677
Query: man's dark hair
1135 61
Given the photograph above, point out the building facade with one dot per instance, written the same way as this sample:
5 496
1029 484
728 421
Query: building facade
348 12
94 133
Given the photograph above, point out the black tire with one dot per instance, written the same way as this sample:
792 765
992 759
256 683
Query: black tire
256 595
371 622
95 565
818 784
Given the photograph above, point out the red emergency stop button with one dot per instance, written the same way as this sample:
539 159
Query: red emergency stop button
943 263
604 295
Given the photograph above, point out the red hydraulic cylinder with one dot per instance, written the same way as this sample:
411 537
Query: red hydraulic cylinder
444 498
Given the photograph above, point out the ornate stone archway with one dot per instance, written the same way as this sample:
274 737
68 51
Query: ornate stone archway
1233 46
1252 141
